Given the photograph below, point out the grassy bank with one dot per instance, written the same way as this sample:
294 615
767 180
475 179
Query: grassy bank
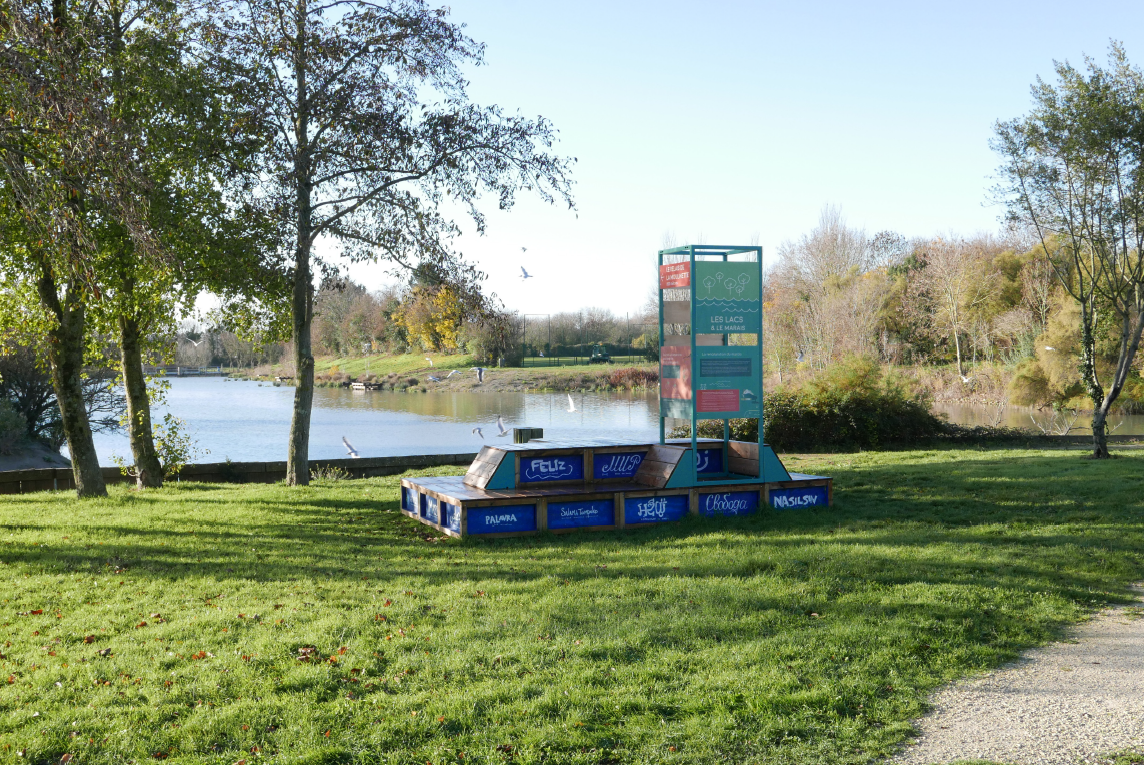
218 624
413 370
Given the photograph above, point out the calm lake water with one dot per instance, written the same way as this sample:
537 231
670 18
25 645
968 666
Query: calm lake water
1024 417
248 421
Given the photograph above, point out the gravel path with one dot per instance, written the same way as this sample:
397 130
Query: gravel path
1067 703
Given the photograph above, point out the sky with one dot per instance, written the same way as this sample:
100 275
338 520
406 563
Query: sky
719 122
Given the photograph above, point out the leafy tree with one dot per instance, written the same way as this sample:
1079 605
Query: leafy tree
66 167
1073 170
368 131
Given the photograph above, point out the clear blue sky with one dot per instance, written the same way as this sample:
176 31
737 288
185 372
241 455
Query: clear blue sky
726 119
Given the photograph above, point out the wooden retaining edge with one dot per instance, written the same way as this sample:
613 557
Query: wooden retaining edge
48 479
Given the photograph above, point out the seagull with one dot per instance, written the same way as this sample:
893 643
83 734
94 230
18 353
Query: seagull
480 373
477 431
454 372
429 360
500 424
801 357
965 379
350 449
571 404
431 378
1049 348
193 342
524 274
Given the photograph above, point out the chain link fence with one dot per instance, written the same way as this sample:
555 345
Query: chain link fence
586 337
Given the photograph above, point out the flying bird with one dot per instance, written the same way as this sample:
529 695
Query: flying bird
524 249
965 379
429 360
480 373
524 274
431 378
500 424
477 431
352 451
454 372
801 357
193 342
571 404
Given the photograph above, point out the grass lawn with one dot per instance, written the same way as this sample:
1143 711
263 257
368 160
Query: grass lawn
221 624
382 365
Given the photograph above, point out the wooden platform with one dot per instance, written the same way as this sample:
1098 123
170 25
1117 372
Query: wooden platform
598 485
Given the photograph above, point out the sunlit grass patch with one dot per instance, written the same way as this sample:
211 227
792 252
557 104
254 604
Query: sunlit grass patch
215 623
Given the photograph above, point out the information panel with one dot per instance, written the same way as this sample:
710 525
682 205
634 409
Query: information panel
729 382
727 298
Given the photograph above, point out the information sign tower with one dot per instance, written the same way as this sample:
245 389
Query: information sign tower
711 347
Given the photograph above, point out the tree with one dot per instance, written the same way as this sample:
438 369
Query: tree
956 281
1073 170
65 168
368 130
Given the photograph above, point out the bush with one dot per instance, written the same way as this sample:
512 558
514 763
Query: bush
853 405
13 427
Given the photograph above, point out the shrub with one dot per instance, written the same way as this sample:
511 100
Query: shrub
853 405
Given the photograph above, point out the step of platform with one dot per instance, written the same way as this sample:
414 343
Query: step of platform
458 509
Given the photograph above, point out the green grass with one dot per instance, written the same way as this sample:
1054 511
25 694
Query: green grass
799 637
382 365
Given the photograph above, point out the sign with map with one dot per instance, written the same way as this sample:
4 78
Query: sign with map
727 298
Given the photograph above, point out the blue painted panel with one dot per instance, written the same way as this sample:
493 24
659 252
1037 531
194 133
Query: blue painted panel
408 499
655 509
429 508
571 515
618 465
799 498
729 503
710 460
498 520
450 517
567 468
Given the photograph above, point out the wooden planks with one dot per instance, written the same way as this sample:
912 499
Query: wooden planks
743 458
484 466
658 465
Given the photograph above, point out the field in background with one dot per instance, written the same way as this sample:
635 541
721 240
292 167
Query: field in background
219 623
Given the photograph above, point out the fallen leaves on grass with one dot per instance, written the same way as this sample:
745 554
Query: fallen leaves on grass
89 639
37 612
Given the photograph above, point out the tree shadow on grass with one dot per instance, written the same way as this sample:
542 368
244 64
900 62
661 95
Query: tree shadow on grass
1019 525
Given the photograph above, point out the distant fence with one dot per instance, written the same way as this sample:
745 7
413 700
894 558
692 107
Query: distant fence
570 339
48 479
172 370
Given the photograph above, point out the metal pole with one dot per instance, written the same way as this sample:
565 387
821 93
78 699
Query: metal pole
694 377
659 291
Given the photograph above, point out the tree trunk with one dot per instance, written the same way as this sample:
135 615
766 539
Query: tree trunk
298 454
957 346
148 471
297 458
65 356
1100 433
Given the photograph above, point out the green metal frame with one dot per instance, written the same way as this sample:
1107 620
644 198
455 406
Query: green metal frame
710 252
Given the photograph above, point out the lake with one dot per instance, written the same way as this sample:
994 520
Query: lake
250 421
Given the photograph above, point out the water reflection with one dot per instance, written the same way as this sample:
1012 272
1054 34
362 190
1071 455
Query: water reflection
1027 418
246 421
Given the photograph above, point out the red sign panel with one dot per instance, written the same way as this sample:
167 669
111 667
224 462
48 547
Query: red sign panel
674 275
717 401
675 371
